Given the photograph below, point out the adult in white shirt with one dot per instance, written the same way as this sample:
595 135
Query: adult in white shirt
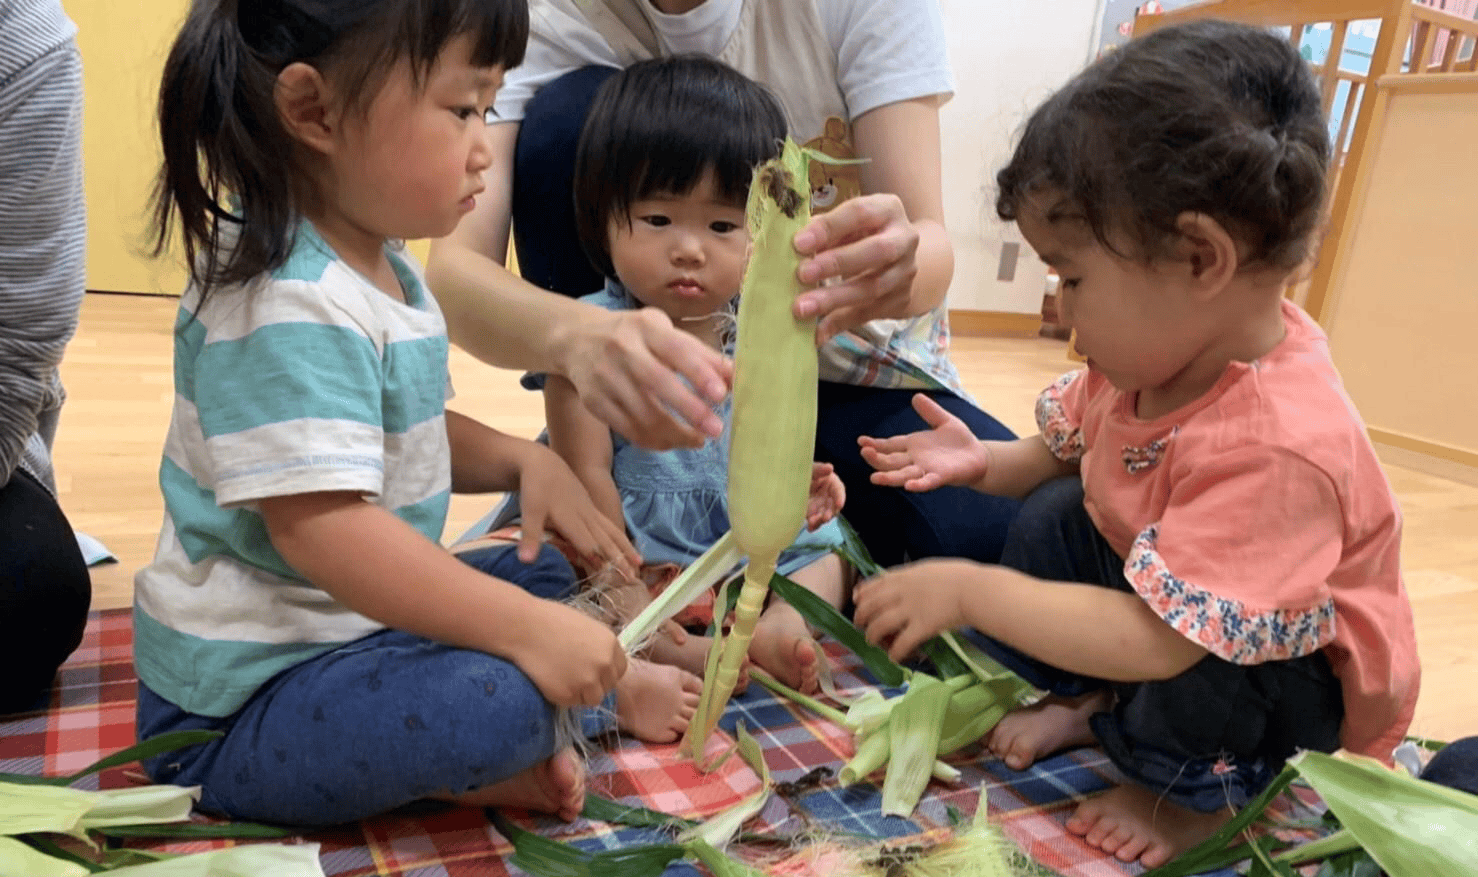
874 71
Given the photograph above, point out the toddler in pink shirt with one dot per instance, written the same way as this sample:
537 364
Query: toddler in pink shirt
1205 574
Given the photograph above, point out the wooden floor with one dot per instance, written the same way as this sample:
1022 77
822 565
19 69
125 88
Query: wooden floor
119 380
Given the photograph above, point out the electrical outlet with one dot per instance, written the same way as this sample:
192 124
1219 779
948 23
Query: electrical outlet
1010 252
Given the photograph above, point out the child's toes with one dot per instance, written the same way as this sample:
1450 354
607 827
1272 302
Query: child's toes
803 660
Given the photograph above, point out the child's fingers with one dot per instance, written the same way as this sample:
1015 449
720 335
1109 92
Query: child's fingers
675 632
932 412
925 482
896 477
883 460
886 445
531 534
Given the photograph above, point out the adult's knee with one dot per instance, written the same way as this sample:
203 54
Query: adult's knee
549 251
45 591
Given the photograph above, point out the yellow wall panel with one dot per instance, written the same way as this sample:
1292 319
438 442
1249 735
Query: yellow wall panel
123 47
1401 326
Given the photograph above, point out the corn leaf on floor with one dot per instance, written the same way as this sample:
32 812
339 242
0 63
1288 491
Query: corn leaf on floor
93 712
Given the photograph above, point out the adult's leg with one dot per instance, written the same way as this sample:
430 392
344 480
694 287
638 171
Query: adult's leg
894 524
549 251
1455 766
44 592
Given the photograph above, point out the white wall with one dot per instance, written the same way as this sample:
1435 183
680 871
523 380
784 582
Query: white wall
1007 56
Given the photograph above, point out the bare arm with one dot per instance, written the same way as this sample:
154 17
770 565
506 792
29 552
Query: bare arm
626 365
584 443
551 496
890 245
948 453
381 567
1086 629
1019 467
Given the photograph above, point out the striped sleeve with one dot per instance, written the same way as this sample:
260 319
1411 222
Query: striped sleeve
289 397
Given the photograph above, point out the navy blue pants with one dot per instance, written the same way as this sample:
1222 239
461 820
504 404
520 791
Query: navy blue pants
1216 734
377 723
1455 766
45 590
894 524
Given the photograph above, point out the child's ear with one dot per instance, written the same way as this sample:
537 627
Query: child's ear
1208 250
305 106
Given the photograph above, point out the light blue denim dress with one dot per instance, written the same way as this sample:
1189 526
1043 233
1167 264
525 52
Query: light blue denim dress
675 501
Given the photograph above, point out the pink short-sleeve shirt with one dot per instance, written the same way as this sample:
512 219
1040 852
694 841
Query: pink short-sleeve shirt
1256 521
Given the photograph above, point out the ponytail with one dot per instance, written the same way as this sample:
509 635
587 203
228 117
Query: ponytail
232 176
222 138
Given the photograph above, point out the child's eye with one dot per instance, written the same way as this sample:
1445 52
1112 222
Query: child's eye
656 219
1069 284
723 226
465 113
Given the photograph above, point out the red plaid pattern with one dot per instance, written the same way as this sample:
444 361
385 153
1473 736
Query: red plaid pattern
91 714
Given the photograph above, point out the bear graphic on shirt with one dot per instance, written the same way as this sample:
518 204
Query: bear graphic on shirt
831 184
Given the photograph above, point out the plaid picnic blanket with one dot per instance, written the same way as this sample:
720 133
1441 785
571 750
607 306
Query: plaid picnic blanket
92 714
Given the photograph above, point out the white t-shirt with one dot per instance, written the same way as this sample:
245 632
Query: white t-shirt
886 50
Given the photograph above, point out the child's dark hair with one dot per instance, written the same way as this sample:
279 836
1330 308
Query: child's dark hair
1209 117
219 126
656 128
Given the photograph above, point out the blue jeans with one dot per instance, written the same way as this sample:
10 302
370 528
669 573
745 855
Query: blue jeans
377 723
1214 735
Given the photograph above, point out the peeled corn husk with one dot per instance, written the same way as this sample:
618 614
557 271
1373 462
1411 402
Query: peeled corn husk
1412 828
772 433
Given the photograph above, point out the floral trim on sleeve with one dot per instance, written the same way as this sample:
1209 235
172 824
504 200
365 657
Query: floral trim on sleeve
1064 438
1226 628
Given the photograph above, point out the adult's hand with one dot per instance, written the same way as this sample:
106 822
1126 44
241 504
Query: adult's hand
865 250
885 253
651 382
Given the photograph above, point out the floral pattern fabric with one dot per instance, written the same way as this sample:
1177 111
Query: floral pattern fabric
1227 628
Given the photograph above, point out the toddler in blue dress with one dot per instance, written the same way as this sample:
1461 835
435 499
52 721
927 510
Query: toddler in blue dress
661 180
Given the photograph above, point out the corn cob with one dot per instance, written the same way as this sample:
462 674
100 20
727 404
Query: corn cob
773 431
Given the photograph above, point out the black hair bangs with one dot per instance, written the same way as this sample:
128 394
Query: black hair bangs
418 31
657 127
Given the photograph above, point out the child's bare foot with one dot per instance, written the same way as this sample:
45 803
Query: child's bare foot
690 652
655 702
784 647
1131 822
555 785
1046 726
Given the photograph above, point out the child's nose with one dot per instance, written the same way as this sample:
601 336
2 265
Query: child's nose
480 157
687 249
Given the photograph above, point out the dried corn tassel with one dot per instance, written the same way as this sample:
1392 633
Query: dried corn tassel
773 432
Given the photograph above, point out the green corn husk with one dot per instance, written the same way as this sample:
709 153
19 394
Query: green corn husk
19 858
914 728
598 809
721 828
33 807
243 861
1410 827
711 567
